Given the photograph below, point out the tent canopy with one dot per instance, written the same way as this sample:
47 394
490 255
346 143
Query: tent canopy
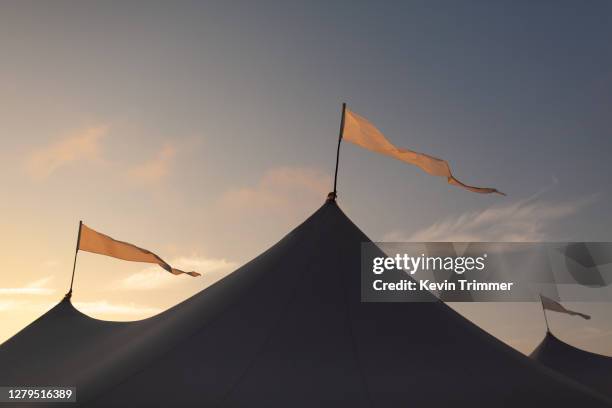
286 329
591 369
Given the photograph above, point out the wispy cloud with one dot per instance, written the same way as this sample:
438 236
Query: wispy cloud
589 332
7 305
80 146
527 220
155 277
50 263
280 189
101 309
154 170
38 287
104 307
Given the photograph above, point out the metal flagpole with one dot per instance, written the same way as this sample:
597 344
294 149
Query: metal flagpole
544 311
338 151
76 252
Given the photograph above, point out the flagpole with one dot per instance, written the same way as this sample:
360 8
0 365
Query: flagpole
338 151
544 312
76 252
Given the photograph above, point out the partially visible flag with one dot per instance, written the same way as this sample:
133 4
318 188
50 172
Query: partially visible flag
361 132
549 304
93 241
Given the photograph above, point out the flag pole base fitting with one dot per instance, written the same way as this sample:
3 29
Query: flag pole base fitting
331 196
68 295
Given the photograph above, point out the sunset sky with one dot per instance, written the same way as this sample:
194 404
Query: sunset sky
205 131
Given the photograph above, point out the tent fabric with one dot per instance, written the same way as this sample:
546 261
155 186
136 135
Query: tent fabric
287 329
591 369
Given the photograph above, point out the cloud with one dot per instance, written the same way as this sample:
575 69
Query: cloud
104 307
155 277
98 308
6 305
524 221
50 263
80 146
280 188
84 146
589 332
38 287
154 170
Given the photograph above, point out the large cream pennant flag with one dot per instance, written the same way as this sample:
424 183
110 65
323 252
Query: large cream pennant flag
93 241
360 131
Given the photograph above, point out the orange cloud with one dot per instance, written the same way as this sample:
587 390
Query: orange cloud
154 170
80 146
38 287
107 309
281 188
150 278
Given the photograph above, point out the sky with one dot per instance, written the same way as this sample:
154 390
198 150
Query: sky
205 131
